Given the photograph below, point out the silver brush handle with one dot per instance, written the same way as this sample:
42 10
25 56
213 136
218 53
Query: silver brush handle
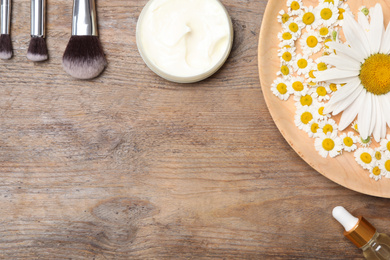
38 11
84 18
5 14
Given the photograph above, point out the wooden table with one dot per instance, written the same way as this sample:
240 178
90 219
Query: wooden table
130 166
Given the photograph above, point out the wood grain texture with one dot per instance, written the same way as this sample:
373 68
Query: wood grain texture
342 169
130 166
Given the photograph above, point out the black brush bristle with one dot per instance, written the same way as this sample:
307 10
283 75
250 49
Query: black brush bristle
5 47
84 57
37 50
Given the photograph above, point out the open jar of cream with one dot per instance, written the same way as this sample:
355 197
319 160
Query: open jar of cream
184 41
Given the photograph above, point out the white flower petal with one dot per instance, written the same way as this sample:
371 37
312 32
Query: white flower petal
344 49
355 35
351 112
376 29
386 107
385 46
364 117
342 105
363 21
331 74
378 123
343 81
342 62
373 114
345 91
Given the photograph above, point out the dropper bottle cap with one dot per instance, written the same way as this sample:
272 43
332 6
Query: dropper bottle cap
358 230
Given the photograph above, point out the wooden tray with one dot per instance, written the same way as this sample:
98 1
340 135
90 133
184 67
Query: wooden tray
343 169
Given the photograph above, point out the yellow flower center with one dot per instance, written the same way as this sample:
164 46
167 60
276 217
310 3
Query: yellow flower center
311 41
324 31
388 146
333 87
295 5
341 14
387 165
321 91
282 88
297 86
376 171
311 74
308 18
287 56
322 66
286 36
306 100
302 63
285 70
306 117
285 18
348 141
321 111
378 155
328 144
329 1
326 41
326 14
293 27
366 158
314 127
328 129
375 74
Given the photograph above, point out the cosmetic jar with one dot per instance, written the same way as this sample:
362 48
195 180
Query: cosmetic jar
184 41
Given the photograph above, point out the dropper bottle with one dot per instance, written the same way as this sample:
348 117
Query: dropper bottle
374 245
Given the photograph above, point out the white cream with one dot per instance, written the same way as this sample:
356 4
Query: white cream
184 38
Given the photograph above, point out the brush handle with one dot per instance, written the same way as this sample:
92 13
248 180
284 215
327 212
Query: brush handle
5 14
38 10
84 18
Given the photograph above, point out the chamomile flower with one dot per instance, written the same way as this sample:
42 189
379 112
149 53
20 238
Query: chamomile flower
298 86
349 141
365 158
364 142
325 31
327 126
285 71
306 99
385 144
328 13
364 67
320 65
322 92
286 55
354 126
334 87
343 8
293 27
311 78
321 114
376 173
302 64
378 154
287 37
311 42
328 145
285 45
280 88
364 10
312 129
384 164
334 2
283 17
308 18
303 117
295 7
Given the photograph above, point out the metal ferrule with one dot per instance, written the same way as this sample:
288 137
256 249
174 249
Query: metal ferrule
5 14
84 18
38 13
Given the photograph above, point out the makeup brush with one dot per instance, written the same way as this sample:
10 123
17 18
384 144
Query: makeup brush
84 57
5 39
37 50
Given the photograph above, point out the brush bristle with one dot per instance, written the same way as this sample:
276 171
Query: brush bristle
84 57
37 50
5 47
